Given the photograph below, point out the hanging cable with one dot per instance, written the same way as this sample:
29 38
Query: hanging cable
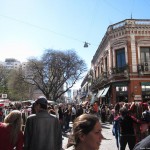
39 27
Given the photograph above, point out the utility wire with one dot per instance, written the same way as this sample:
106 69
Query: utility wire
115 8
41 28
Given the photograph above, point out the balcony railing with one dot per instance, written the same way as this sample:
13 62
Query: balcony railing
120 70
129 22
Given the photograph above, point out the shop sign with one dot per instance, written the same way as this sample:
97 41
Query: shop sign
4 96
137 97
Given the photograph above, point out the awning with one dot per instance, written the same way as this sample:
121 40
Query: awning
105 91
100 93
145 83
93 99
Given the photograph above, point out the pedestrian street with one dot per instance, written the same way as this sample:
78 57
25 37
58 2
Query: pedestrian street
108 143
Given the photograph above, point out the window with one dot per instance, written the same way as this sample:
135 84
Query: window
145 88
95 73
106 64
98 71
120 58
121 88
145 54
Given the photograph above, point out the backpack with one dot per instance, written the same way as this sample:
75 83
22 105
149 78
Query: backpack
146 116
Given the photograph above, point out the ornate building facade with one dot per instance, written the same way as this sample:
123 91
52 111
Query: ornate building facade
120 68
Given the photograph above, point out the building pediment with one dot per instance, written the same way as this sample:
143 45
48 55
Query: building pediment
144 41
118 43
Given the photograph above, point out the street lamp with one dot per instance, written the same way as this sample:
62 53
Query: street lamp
86 44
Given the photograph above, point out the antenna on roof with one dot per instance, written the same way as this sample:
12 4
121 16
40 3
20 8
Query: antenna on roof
131 15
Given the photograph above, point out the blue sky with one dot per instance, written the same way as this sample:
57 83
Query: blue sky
28 27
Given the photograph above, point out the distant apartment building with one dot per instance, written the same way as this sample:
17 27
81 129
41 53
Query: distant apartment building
11 63
76 96
120 68
68 96
86 93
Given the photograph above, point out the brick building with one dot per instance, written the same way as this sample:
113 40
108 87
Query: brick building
120 68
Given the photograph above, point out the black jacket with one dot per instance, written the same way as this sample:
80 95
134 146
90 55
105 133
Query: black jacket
42 132
126 124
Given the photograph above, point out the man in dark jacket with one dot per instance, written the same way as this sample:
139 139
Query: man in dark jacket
42 130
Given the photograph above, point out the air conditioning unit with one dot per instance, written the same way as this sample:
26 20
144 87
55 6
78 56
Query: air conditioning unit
139 68
146 66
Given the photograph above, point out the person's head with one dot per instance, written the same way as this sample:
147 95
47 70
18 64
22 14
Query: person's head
14 120
41 103
14 117
87 131
123 111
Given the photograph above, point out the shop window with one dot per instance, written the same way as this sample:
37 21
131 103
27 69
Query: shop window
121 88
145 88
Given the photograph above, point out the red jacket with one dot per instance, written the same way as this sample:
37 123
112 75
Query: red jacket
5 137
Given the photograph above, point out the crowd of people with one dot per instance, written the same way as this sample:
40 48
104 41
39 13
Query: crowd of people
41 125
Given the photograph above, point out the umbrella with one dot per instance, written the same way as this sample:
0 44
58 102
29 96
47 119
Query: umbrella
51 102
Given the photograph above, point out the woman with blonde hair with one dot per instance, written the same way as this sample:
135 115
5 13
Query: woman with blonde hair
11 135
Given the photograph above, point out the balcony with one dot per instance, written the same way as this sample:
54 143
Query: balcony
120 71
95 83
99 81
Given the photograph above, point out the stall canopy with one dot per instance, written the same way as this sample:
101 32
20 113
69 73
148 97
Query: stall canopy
105 91
6 102
1 104
100 93
51 102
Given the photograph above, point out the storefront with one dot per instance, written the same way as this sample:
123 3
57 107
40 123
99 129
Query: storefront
121 89
145 91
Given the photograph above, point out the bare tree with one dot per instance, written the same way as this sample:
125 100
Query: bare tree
56 72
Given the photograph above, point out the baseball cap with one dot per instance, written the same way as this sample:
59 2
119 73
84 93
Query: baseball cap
41 100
